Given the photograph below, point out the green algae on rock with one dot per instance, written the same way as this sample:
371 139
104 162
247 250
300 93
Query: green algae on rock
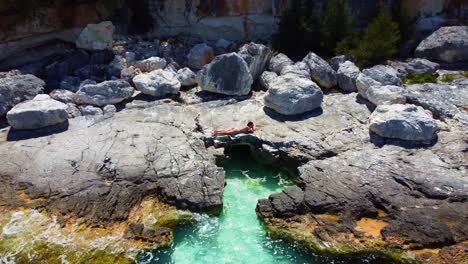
34 236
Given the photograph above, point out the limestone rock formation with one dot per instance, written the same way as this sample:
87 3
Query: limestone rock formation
421 66
200 55
186 77
150 64
227 74
108 92
291 95
96 36
386 95
385 75
320 71
90 110
348 72
299 69
257 57
447 44
16 87
266 78
64 96
99 169
40 112
443 100
157 83
364 82
406 122
278 62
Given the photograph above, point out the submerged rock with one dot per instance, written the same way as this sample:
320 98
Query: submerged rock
108 92
15 88
291 95
447 44
157 83
406 122
320 71
40 112
227 74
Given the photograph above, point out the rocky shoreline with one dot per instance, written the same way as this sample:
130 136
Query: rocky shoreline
382 165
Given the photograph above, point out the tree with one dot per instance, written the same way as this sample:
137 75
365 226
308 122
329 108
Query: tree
380 41
336 25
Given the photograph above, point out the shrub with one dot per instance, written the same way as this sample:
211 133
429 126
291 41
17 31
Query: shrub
415 78
379 41
447 78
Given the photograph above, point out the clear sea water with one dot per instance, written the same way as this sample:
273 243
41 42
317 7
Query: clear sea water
237 235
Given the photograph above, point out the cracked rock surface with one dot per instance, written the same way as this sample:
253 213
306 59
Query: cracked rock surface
99 169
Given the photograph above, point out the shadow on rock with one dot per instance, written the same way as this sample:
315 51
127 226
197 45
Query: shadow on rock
17 135
292 118
380 142
207 96
363 101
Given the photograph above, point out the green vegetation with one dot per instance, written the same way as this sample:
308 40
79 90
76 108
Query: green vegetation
465 74
336 25
337 33
379 41
415 78
447 78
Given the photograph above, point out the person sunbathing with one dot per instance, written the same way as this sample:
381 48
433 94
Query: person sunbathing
249 128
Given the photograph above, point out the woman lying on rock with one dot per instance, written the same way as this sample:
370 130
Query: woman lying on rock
249 128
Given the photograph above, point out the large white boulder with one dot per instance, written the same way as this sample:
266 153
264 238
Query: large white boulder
16 87
405 122
278 62
364 82
386 95
293 95
384 74
157 83
108 92
348 72
186 77
320 71
200 55
227 74
257 57
96 36
40 112
447 44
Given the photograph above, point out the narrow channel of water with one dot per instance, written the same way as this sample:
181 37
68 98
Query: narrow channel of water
237 236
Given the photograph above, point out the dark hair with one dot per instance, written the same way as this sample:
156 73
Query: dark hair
250 124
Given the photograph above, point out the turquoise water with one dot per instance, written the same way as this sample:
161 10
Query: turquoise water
237 235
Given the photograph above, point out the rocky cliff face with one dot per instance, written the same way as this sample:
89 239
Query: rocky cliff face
48 25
